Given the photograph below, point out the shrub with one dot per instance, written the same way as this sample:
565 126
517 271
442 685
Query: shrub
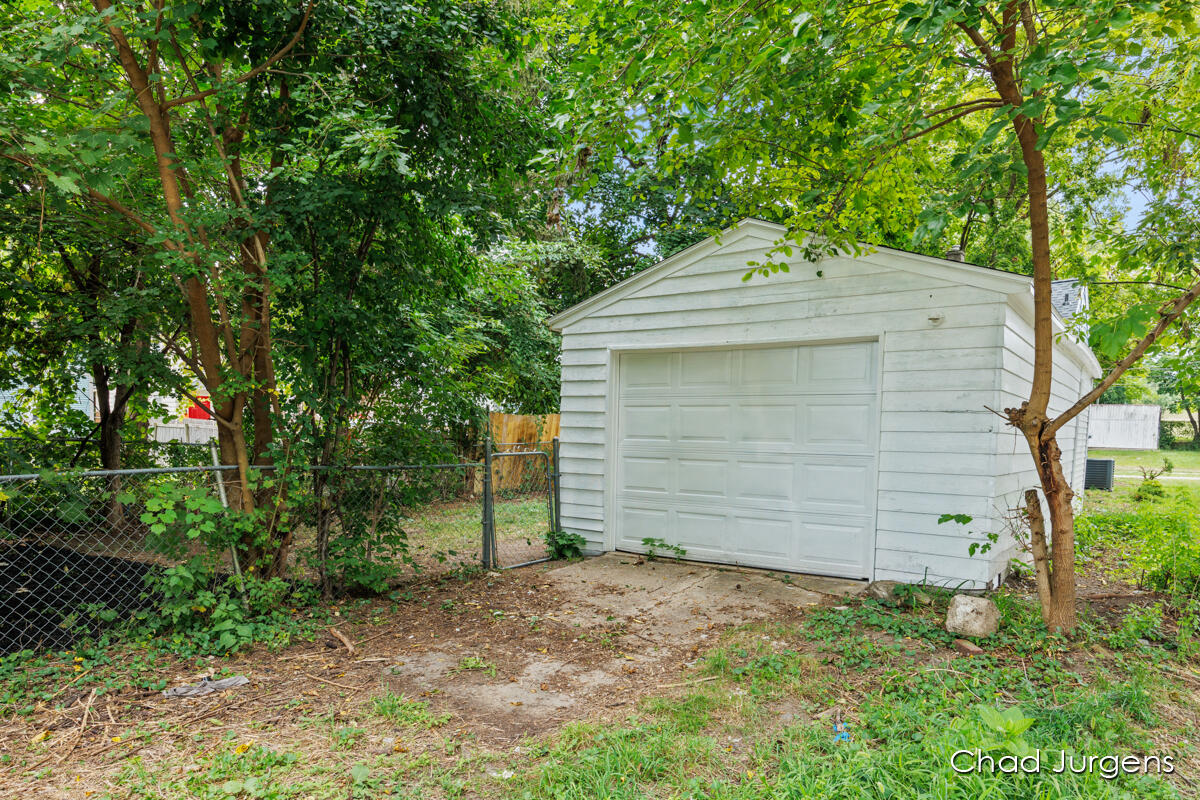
200 605
1177 435
1137 625
563 544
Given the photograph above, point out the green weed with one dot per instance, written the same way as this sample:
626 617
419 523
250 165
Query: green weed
401 710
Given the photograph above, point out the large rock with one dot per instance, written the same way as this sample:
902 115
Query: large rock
972 616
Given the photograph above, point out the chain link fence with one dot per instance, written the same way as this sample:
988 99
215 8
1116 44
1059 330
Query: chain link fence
81 550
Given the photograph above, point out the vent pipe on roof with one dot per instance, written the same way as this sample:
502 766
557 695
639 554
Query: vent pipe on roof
955 254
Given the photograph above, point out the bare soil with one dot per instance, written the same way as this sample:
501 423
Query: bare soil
507 654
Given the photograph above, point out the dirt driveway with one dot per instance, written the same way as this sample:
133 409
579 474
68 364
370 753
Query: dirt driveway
607 630
505 655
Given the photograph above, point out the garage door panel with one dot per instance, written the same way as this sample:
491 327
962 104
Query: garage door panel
706 369
646 423
646 475
757 456
773 366
849 424
836 488
701 534
702 478
847 367
764 481
641 522
705 422
646 370
762 537
835 546
765 423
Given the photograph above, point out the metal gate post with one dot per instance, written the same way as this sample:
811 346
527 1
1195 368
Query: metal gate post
556 473
489 520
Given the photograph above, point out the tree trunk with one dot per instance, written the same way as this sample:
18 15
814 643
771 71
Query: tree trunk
1056 573
1031 418
112 415
1037 541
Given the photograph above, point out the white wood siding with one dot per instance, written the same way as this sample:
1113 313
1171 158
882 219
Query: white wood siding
1014 468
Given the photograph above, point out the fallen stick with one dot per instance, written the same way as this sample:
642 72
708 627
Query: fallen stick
687 683
82 724
341 637
70 684
376 636
1187 676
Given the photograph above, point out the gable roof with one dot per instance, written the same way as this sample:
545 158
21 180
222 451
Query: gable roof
954 271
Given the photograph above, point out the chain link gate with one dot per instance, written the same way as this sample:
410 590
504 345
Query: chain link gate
520 502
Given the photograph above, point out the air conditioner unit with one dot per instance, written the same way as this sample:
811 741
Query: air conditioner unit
1099 473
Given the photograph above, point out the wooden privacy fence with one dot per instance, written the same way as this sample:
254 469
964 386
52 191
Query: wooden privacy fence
1123 427
523 428
516 432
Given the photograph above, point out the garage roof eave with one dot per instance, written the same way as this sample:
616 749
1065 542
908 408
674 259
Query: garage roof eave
650 274
1063 338
971 274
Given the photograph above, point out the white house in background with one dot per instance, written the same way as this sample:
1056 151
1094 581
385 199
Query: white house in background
819 420
84 399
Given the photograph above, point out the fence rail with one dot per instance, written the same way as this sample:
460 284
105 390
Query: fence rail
81 550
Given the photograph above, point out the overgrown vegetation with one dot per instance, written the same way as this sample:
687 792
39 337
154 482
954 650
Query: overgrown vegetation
1156 537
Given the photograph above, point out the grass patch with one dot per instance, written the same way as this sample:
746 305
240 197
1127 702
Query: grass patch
1187 462
1153 542
453 528
470 663
906 712
403 711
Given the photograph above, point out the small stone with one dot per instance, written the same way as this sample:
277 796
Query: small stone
967 648
883 591
972 616
895 593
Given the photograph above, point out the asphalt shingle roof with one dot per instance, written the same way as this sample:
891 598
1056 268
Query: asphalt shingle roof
1069 297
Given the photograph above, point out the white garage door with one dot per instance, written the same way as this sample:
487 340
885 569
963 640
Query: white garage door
756 456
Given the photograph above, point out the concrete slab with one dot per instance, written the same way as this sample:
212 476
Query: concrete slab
671 597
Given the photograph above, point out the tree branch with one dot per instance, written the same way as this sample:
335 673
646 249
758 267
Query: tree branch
1172 312
129 214
948 120
940 111
191 98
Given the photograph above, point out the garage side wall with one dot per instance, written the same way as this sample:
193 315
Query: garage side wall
937 442
1015 471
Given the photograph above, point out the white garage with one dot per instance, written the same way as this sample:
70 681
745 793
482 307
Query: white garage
820 420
